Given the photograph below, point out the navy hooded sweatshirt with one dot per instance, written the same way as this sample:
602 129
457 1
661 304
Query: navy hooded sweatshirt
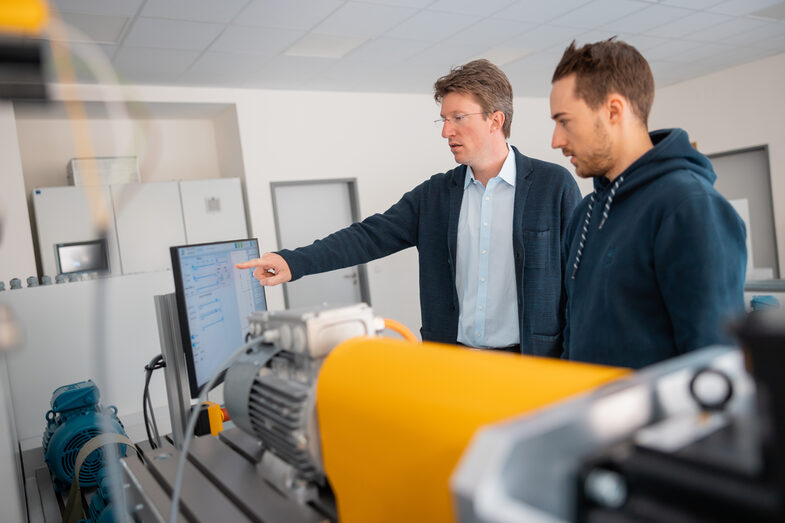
662 263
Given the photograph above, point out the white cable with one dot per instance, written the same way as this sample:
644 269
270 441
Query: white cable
191 426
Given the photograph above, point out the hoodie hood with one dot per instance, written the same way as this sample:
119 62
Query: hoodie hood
672 151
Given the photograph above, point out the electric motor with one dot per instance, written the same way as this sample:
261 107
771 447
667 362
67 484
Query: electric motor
75 418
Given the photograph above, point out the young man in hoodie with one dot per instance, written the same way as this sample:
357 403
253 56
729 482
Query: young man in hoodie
655 255
488 232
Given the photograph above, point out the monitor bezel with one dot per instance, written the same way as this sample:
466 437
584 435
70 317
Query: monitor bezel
101 241
182 315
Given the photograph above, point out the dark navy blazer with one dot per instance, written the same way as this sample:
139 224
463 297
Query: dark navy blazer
427 218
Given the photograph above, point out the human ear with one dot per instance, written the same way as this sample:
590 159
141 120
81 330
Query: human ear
615 106
497 120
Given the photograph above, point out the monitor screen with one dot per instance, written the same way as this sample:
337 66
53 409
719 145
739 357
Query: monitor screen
214 300
82 256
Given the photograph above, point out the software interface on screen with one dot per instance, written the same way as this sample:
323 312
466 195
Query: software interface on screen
82 256
217 300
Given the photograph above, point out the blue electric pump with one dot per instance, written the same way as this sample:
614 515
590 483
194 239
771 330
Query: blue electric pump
77 417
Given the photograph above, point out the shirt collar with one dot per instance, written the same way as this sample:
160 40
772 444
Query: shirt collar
507 173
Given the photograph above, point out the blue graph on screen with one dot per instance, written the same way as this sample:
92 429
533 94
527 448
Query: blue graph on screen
218 300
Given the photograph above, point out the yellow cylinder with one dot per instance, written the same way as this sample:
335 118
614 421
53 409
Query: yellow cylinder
395 417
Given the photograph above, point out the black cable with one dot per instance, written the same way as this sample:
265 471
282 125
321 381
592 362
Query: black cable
156 363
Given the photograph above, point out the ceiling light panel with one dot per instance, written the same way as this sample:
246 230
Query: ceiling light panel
172 34
385 51
291 14
319 45
193 10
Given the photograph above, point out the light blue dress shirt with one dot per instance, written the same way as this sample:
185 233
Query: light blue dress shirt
484 267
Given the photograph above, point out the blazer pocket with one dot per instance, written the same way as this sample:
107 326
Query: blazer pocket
536 249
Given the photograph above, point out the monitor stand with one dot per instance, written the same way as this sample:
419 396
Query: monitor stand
177 390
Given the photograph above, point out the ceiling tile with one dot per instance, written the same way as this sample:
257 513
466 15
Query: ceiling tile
292 14
261 41
403 3
489 33
127 8
674 51
94 28
543 37
385 50
776 43
723 31
741 7
774 12
366 20
538 10
692 4
642 42
646 19
444 56
590 37
193 10
284 72
683 27
136 60
470 7
225 64
172 34
503 55
430 26
598 13
542 61
319 45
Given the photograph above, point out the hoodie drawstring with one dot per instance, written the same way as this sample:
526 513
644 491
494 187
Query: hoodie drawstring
606 210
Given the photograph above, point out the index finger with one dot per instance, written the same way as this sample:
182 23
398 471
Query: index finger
249 264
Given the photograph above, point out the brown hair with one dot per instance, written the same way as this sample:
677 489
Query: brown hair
605 67
486 82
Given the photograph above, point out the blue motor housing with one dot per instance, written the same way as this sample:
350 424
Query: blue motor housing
77 417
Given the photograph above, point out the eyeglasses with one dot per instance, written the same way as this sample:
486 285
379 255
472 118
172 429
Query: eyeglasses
457 119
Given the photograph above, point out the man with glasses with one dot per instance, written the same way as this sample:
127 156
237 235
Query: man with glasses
489 232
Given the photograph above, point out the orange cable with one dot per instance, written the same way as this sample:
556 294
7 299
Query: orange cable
401 329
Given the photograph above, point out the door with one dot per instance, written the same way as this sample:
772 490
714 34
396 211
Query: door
307 211
744 175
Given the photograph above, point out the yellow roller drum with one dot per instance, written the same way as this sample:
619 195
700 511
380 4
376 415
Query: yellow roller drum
396 416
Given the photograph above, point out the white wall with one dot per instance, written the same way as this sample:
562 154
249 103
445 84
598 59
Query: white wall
16 247
173 149
733 109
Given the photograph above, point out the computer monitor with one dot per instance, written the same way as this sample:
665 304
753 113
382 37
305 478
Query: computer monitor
214 300
87 256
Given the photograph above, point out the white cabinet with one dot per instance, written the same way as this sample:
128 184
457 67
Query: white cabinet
145 220
213 210
149 220
62 215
